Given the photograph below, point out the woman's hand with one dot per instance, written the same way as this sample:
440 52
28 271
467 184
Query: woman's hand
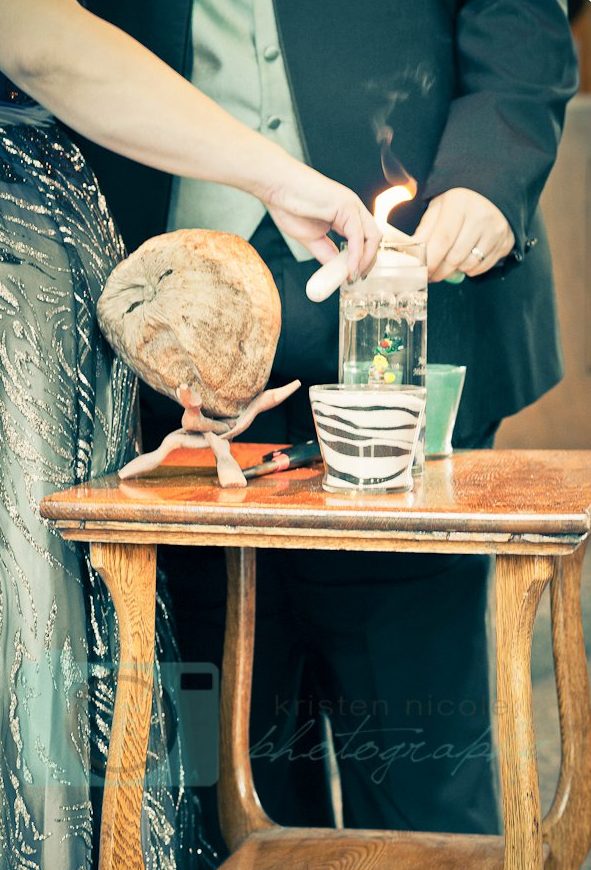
306 205
140 108
463 230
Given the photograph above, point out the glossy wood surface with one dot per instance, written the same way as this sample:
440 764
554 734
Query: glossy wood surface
567 827
129 572
520 581
240 810
322 849
490 492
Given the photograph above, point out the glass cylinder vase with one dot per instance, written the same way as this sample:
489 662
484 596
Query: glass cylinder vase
383 323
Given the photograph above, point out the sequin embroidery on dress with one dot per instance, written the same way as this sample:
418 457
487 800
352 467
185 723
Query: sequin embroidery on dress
66 414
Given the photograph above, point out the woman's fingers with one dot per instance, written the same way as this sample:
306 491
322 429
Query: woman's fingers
322 249
372 236
352 230
308 205
357 225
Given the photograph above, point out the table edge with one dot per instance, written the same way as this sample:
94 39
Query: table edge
308 538
344 521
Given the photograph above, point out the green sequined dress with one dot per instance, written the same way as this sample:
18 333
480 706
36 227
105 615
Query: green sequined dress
66 415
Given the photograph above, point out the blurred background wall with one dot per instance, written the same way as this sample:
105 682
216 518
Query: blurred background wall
562 418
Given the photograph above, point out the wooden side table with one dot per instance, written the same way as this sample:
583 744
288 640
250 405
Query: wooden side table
530 508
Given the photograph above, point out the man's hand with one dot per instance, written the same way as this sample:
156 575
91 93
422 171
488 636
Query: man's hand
463 230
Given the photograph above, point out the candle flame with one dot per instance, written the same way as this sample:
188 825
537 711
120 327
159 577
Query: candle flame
389 199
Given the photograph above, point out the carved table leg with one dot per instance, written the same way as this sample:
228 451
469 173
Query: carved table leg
129 572
567 827
239 806
520 581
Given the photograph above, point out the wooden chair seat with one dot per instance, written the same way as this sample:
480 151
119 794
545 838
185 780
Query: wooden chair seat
325 849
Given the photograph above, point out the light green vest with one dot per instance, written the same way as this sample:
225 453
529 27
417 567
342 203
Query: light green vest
237 61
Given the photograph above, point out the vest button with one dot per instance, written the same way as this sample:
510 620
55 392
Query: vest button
273 121
271 53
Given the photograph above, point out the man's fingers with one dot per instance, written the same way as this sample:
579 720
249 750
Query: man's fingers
493 247
456 257
502 249
474 265
428 221
459 227
441 235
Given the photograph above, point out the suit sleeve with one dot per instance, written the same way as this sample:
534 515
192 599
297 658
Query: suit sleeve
516 71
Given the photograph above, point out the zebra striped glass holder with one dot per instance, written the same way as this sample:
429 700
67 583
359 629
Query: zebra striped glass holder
368 435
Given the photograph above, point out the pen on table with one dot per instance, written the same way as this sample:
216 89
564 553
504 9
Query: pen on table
282 459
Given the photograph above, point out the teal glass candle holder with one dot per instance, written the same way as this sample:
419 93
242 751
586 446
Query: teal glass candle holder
444 391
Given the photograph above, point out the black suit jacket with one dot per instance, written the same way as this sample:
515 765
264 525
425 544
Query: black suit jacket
475 93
